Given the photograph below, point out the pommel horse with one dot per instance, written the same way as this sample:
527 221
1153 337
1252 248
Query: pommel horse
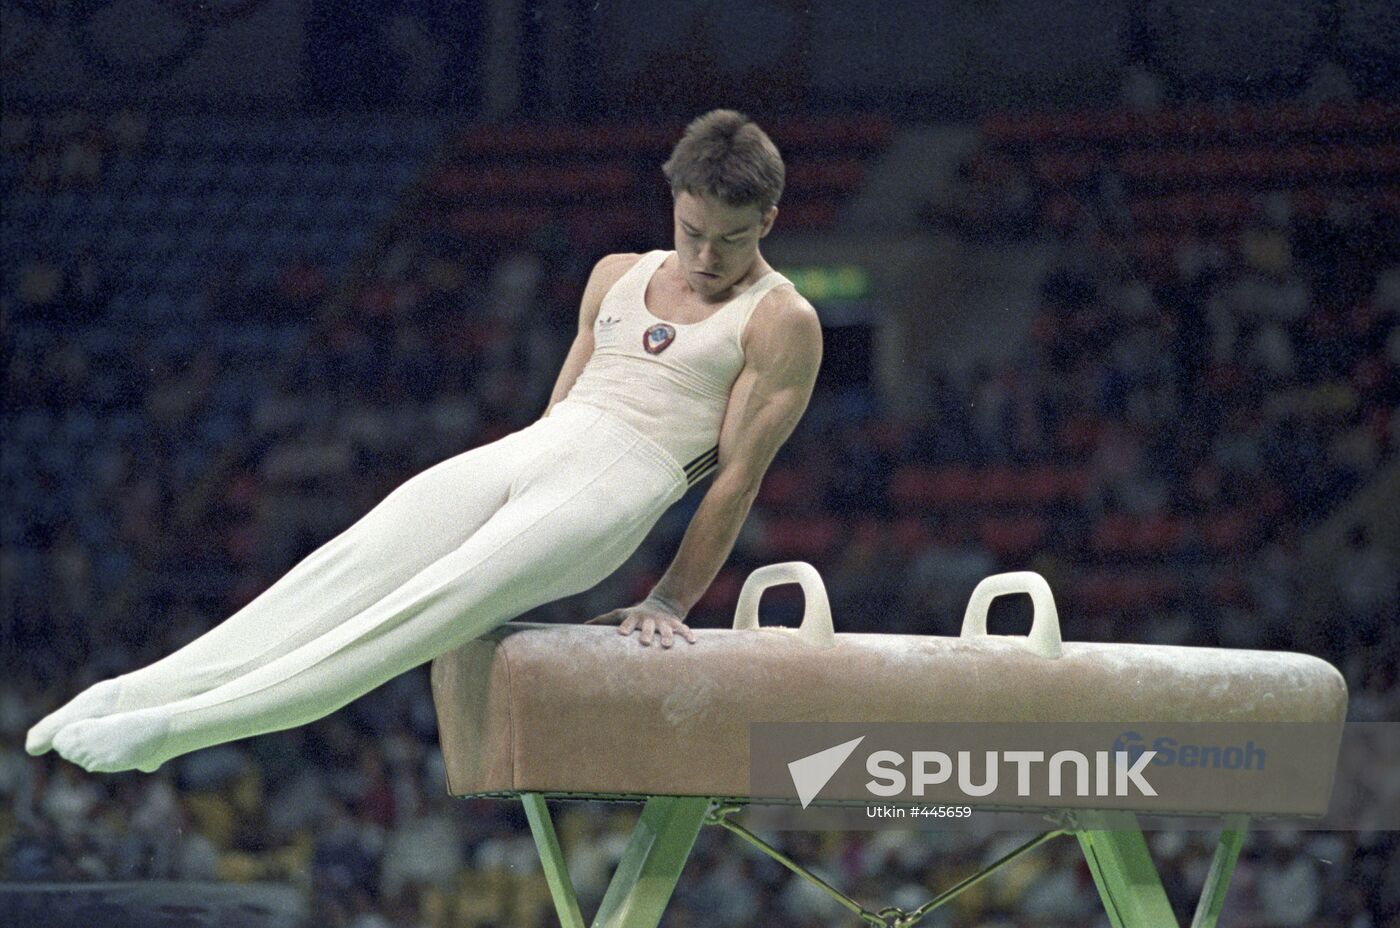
574 712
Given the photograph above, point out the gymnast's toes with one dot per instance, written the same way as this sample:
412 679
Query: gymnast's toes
36 743
69 743
128 741
96 701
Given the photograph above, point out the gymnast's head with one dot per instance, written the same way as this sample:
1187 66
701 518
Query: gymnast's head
726 177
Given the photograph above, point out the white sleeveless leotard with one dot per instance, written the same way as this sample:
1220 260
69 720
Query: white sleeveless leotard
667 380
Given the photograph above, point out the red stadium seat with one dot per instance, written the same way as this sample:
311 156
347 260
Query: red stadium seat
540 180
1224 532
723 593
811 214
842 175
499 221
1044 484
801 537
1112 591
926 488
909 535
1011 537
1128 536
782 487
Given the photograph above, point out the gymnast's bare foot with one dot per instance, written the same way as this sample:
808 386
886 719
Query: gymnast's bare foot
94 702
125 741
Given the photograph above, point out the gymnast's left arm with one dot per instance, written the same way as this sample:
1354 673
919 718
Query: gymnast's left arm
783 351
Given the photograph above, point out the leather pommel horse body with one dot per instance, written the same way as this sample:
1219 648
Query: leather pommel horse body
532 711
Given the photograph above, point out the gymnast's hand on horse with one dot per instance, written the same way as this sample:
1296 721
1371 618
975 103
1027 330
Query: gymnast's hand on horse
651 616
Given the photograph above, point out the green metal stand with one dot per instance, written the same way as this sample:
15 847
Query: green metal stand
650 867
561 887
1127 879
1112 842
1222 867
1123 871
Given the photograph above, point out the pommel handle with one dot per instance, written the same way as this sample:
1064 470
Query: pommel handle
816 628
1044 638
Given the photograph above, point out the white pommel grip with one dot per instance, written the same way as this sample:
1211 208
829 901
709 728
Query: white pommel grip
1044 638
816 628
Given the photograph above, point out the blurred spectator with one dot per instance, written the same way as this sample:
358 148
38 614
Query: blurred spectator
1328 83
1141 89
301 285
942 576
1290 892
40 285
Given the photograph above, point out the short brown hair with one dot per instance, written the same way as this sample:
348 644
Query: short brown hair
724 154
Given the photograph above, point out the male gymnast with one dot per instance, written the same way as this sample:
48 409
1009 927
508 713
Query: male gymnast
687 363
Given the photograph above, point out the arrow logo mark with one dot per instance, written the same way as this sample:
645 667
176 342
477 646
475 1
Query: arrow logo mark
811 773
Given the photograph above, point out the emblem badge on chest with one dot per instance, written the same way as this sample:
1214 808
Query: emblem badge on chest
658 338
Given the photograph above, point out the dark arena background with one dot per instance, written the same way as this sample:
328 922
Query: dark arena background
1110 291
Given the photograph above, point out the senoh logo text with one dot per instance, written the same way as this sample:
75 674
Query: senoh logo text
1168 752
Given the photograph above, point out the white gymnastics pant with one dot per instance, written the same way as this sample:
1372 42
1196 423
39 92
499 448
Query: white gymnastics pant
473 541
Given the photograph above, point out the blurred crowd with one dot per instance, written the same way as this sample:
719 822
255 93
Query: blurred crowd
67 150
1247 389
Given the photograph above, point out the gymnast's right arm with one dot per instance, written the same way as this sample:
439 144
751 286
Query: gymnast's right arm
605 273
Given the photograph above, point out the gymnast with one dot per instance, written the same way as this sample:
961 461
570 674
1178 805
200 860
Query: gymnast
687 363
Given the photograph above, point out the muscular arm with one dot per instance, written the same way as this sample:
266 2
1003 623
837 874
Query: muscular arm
783 348
605 273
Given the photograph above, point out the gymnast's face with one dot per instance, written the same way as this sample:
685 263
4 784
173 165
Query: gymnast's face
717 244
